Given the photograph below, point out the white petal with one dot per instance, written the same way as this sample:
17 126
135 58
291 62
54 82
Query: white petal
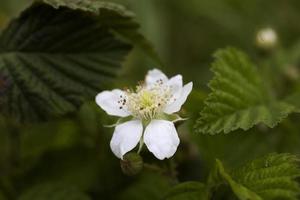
108 101
161 138
176 85
175 105
155 75
126 137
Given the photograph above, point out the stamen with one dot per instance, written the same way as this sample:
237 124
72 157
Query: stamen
146 103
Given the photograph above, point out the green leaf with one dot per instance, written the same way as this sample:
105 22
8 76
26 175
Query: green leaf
188 190
294 99
54 59
94 6
124 27
270 177
240 191
239 98
53 191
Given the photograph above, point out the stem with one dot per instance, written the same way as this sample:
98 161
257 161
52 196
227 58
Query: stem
141 145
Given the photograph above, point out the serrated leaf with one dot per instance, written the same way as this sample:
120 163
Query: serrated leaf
53 59
271 177
124 27
188 190
239 98
240 191
268 178
53 191
94 6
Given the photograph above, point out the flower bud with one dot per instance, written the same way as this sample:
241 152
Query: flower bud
131 164
266 38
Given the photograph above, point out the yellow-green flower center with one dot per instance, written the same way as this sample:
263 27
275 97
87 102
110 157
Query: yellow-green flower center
147 103
146 99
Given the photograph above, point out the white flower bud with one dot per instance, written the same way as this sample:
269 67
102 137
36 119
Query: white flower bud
266 38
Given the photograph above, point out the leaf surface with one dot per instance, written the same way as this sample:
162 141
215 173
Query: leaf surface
58 54
270 177
239 98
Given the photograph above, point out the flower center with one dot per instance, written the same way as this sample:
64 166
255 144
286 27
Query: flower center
147 99
147 103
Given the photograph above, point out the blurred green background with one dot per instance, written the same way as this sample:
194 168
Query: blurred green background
75 150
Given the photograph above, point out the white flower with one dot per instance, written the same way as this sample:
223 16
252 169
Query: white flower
149 105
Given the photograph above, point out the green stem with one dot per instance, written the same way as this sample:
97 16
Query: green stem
141 145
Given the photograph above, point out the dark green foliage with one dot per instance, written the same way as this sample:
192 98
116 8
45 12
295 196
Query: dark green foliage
50 67
239 190
53 68
239 97
270 177
94 6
